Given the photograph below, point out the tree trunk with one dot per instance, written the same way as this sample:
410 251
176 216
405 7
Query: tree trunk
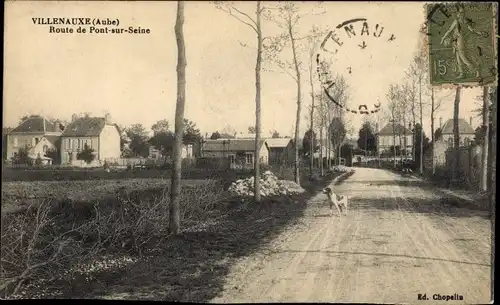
432 133
299 102
321 170
484 151
492 167
174 220
257 107
414 138
421 128
329 139
311 160
400 148
456 137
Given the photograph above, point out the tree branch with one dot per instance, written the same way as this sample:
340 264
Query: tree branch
228 10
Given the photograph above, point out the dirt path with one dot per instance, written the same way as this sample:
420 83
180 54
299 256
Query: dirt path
399 240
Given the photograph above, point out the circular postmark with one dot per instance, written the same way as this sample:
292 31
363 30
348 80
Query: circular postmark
359 33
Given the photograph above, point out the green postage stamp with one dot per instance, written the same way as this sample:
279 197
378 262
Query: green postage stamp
462 38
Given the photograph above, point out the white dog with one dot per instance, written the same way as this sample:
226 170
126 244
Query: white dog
340 202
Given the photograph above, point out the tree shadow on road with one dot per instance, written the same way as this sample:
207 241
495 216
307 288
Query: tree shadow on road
438 206
348 255
402 183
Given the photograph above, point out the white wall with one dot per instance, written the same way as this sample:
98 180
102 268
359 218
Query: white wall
109 143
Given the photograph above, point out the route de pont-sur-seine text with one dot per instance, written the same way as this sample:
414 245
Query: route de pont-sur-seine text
86 25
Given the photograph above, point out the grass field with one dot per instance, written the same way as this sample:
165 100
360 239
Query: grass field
21 193
138 257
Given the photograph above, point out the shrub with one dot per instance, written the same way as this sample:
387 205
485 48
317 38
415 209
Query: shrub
87 154
50 238
21 157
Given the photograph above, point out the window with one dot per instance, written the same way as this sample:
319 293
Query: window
466 141
15 142
450 142
249 158
45 148
232 159
79 143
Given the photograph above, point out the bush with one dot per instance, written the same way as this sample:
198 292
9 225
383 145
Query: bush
50 239
87 154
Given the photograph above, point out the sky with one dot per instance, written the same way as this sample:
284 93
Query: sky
133 76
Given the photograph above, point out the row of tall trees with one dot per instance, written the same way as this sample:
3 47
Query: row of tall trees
284 53
410 101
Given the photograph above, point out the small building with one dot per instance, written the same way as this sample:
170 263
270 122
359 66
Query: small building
280 149
239 152
98 133
46 149
186 153
29 133
394 135
446 139
465 131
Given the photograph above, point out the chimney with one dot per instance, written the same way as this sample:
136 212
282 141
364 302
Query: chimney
440 122
470 121
107 118
74 117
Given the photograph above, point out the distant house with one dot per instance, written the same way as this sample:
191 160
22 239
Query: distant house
464 129
239 152
280 150
446 140
5 131
46 144
393 134
154 153
28 135
186 153
98 133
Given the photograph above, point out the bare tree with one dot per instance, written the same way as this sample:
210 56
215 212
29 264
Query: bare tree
340 94
484 152
174 224
392 107
417 75
313 40
434 107
492 159
255 25
286 15
456 135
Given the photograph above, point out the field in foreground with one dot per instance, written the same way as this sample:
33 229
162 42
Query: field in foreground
151 265
18 194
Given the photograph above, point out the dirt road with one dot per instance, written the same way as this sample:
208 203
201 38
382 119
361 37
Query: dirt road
400 239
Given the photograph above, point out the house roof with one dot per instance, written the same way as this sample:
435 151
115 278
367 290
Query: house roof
231 145
52 139
84 127
36 124
6 130
398 129
278 142
463 127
